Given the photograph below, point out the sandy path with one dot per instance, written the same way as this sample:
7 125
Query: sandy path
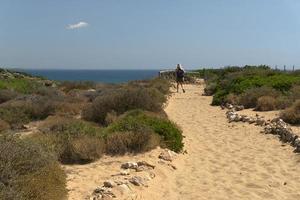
225 161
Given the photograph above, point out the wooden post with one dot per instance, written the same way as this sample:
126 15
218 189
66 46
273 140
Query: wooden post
284 68
293 68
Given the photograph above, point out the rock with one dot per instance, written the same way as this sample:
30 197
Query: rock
245 118
251 120
238 108
138 166
238 118
130 165
138 181
144 163
142 166
260 121
167 155
229 106
121 182
109 184
172 166
102 193
275 120
125 172
152 175
123 189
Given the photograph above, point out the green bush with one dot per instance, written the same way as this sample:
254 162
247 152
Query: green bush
29 172
292 114
138 121
74 141
122 100
239 81
20 85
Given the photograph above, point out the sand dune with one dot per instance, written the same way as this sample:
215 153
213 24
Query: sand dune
223 161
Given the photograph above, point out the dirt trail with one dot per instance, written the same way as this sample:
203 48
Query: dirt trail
225 161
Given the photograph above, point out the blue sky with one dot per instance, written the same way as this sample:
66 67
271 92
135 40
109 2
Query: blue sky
148 34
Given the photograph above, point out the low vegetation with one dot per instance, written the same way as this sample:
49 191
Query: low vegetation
148 96
292 114
25 86
28 172
77 122
72 140
68 86
20 112
137 121
258 87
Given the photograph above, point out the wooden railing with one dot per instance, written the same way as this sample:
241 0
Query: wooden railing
167 74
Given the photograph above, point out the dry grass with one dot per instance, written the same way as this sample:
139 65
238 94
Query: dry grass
250 97
28 172
3 126
74 141
6 95
292 114
122 100
266 103
131 142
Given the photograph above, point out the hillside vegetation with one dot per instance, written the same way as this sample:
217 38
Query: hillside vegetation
258 87
76 122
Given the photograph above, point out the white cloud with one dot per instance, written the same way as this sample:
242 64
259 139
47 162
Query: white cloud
78 25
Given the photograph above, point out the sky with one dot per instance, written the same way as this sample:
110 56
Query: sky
148 34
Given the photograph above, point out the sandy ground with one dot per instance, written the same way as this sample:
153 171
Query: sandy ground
223 161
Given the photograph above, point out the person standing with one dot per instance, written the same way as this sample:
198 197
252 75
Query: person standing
179 72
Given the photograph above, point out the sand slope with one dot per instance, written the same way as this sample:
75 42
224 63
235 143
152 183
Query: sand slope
224 161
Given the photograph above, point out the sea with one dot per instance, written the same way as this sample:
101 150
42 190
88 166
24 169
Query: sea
104 76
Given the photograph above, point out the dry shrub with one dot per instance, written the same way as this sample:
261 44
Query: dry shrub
249 98
28 172
81 149
6 95
162 85
131 142
232 99
67 86
283 102
266 103
74 141
122 100
3 126
111 117
210 88
50 92
14 116
138 121
295 93
25 109
65 108
292 114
